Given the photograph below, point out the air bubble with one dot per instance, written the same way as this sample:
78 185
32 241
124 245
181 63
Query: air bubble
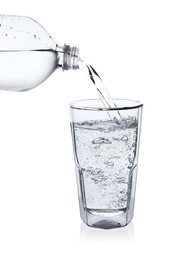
99 179
106 130
89 169
120 180
6 34
96 180
94 171
122 192
115 138
98 170
115 157
116 121
130 160
96 146
124 138
108 163
101 140
124 199
35 36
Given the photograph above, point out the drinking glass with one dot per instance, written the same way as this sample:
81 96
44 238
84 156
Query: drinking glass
106 145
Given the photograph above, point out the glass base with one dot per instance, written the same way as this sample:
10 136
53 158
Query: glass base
106 220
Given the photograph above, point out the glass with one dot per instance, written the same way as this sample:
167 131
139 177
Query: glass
106 158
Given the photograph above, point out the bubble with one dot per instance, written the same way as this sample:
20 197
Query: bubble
98 170
106 130
117 157
114 157
89 169
124 138
120 180
116 138
123 198
109 163
35 36
96 146
95 180
130 160
122 192
99 179
94 171
6 34
116 121
133 124
101 140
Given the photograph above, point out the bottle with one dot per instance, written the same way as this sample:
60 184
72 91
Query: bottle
29 55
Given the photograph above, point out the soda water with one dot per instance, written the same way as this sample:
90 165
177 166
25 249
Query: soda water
105 158
15 75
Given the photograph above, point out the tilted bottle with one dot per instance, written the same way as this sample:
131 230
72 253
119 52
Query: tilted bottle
29 55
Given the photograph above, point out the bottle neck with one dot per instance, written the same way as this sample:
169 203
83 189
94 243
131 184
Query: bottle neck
68 57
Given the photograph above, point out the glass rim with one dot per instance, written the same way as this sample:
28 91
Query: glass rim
77 105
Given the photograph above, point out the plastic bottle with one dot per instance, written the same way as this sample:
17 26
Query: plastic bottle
29 55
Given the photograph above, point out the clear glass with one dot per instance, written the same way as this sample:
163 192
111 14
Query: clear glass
106 159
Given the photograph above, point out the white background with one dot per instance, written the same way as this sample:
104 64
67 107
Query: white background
137 47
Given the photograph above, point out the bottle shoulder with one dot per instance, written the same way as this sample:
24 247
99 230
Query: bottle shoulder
23 33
